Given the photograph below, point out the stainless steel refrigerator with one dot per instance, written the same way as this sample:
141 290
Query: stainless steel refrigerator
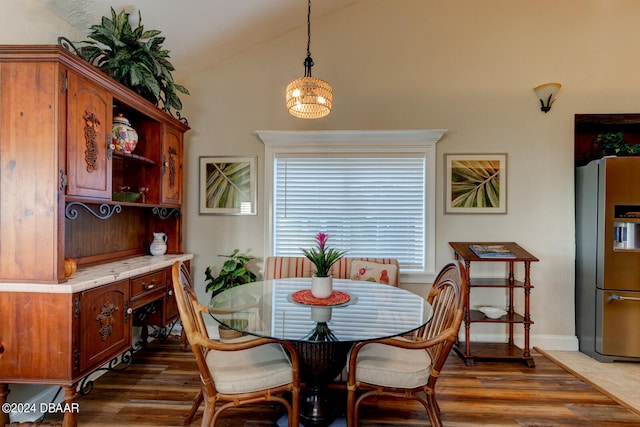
608 258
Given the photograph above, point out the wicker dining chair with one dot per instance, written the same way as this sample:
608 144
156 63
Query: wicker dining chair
236 372
409 368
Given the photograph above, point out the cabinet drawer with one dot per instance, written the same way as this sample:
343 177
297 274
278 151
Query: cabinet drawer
142 286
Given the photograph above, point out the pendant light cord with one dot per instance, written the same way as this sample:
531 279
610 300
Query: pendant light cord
308 62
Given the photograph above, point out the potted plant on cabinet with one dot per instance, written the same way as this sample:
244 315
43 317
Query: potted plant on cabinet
614 144
132 56
234 272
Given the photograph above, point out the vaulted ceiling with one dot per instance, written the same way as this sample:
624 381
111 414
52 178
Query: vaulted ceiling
218 28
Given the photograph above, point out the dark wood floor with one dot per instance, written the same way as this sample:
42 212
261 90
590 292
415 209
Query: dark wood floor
158 388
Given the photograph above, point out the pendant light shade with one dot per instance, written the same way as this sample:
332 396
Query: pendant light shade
309 97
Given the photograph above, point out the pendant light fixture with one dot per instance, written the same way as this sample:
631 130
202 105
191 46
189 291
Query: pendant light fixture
309 97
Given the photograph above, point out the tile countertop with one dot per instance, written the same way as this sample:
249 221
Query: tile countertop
91 277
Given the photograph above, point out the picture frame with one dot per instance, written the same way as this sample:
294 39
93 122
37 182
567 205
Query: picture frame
228 185
475 183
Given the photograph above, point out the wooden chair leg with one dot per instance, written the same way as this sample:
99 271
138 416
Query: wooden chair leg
183 340
351 408
194 408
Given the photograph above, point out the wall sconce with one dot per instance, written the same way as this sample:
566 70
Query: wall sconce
546 93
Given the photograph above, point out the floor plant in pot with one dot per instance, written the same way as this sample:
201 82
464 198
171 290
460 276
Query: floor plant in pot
234 272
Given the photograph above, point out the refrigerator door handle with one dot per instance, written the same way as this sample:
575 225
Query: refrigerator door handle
615 297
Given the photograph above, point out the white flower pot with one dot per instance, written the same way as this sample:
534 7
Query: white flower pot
321 287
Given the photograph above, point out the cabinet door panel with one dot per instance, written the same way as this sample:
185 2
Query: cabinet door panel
29 172
105 325
171 191
89 126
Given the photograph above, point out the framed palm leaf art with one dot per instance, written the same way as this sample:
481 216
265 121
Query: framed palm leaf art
476 183
228 185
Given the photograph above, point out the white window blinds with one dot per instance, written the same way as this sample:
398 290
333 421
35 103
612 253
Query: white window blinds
372 191
372 206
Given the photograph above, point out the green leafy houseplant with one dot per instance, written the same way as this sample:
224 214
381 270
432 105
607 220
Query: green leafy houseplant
322 256
234 272
134 57
614 144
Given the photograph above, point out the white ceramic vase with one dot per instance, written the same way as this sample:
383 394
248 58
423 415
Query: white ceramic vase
321 287
159 245
321 314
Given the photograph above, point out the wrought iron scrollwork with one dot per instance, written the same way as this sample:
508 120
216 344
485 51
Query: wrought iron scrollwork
163 332
67 44
182 119
117 364
165 213
104 211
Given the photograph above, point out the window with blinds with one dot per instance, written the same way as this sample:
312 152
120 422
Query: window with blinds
373 192
369 206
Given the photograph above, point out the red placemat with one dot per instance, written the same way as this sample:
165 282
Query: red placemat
305 297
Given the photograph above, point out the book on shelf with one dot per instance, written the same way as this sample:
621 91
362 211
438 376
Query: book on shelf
491 251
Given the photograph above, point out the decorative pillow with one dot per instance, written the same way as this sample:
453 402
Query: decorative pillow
373 272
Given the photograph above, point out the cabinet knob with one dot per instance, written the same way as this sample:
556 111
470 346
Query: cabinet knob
170 292
129 310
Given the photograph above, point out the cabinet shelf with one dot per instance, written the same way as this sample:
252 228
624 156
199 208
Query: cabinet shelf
490 282
105 209
478 316
493 351
89 201
134 158
463 252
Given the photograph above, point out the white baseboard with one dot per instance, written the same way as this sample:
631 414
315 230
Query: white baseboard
554 342
545 342
31 396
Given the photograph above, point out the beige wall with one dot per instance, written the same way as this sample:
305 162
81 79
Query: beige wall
29 22
467 66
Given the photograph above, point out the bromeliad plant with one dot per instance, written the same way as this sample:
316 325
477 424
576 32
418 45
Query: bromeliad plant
322 256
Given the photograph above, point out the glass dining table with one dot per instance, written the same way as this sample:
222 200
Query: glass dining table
322 331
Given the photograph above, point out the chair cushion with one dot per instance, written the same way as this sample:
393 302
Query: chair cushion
244 371
373 272
278 267
390 366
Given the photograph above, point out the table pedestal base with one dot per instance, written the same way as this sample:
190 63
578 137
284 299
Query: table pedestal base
320 363
317 407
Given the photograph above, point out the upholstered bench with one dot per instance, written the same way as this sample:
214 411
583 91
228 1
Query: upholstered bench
381 270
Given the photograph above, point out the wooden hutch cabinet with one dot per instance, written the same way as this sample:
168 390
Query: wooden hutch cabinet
58 175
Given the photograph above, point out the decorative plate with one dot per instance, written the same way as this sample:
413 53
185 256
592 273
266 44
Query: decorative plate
305 297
